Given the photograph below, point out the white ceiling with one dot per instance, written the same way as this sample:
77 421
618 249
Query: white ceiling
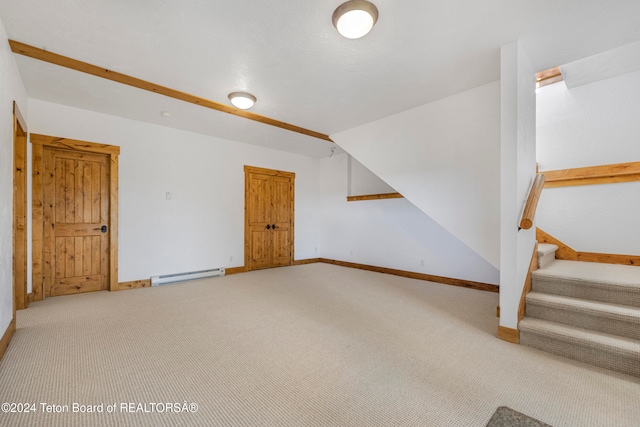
614 62
289 56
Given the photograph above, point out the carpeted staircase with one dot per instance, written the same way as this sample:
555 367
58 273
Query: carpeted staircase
585 311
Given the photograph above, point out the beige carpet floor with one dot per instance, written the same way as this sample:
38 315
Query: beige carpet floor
312 345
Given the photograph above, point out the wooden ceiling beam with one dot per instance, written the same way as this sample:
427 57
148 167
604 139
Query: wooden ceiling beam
547 77
74 64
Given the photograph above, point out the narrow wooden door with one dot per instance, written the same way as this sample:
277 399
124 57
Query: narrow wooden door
269 205
76 218
281 220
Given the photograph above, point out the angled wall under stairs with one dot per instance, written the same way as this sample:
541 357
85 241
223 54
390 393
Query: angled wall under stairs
444 158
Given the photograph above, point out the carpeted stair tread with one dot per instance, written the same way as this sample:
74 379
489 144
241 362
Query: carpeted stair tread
609 283
589 312
615 319
585 338
595 348
590 272
613 311
546 248
546 255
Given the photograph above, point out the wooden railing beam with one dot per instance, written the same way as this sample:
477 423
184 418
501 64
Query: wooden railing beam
603 174
375 197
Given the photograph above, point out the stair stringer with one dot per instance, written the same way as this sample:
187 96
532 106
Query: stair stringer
444 157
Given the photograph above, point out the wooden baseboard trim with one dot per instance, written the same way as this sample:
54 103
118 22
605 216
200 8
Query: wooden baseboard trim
533 265
402 273
235 270
563 252
6 337
567 253
135 284
509 335
609 258
420 276
306 261
243 269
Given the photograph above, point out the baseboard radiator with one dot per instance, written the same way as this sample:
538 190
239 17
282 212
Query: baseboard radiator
182 277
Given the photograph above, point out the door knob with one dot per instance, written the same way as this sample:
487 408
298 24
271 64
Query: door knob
273 226
268 227
103 229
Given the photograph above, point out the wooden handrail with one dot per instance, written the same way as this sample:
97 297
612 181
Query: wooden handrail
604 174
532 202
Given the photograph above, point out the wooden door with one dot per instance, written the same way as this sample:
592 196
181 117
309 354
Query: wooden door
269 205
76 218
281 221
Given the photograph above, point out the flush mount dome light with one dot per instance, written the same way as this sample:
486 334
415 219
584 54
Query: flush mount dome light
355 18
242 100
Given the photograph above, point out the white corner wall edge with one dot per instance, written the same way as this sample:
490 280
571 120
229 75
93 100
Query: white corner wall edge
614 62
518 160
444 157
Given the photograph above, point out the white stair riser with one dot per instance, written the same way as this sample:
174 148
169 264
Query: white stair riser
546 254
600 322
546 259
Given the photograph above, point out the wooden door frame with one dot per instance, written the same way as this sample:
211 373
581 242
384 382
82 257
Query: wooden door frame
247 233
39 143
19 239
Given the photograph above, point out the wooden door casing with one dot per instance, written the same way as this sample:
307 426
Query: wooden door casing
19 241
76 199
269 202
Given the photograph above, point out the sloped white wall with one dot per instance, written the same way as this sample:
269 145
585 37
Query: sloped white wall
11 89
444 157
390 233
518 149
202 226
589 125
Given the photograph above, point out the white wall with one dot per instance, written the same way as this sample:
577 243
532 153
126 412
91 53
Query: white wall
11 89
390 233
444 157
202 226
593 124
589 125
362 181
518 145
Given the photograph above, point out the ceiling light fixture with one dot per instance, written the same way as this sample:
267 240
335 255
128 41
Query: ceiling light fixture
355 18
242 100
